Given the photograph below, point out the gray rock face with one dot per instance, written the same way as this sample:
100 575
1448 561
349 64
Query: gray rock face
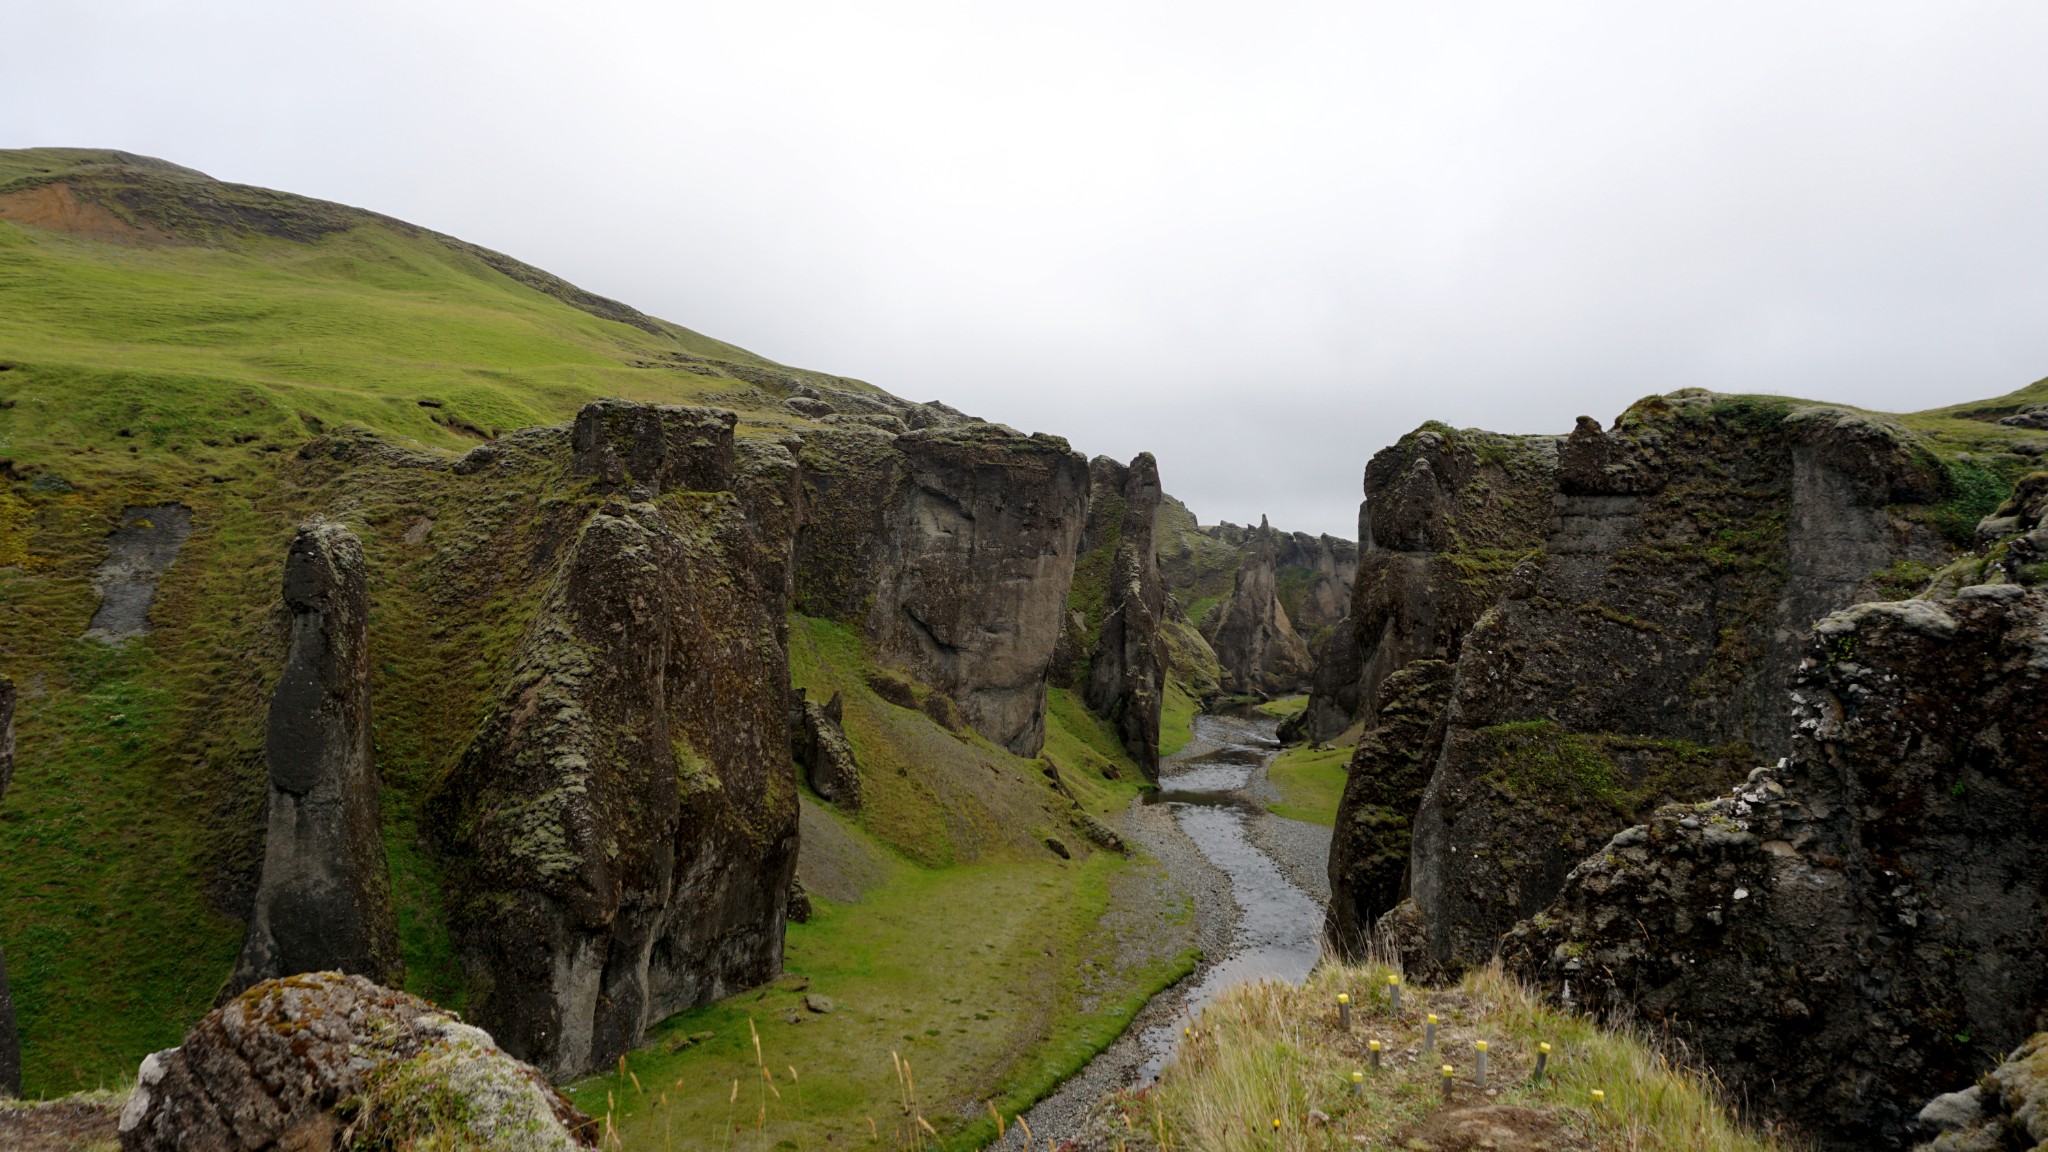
1127 669
2007 1109
1641 655
1255 643
823 751
621 834
138 551
325 897
953 547
1839 935
326 1061
1370 845
1316 578
10 1043
1447 515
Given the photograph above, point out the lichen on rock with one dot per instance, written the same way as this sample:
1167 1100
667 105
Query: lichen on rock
324 1061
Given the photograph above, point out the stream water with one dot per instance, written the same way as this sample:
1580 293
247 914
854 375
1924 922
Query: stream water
1279 929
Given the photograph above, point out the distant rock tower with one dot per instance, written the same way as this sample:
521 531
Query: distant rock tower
325 899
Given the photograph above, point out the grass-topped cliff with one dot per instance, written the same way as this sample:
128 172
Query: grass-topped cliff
170 340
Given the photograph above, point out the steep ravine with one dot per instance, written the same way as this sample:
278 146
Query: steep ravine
1251 877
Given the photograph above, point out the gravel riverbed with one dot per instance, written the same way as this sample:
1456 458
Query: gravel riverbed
1300 850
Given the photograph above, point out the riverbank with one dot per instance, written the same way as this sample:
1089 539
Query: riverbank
1258 885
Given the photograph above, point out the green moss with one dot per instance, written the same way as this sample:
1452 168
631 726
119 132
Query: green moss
1903 579
1176 719
1973 489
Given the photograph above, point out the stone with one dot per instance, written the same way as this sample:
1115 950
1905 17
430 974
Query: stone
953 548
1370 845
1255 643
820 1004
1894 931
324 901
1952 1110
10 1042
1058 848
1127 669
2007 1108
620 836
145 543
1640 654
824 753
327 1061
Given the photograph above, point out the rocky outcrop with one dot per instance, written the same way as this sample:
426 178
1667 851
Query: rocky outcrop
10 1043
1127 667
1640 655
1316 574
146 543
823 751
325 1061
1255 643
2006 1109
953 547
1369 854
325 898
621 833
1835 936
1447 515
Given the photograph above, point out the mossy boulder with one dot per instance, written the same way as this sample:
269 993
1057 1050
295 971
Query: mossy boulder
324 1062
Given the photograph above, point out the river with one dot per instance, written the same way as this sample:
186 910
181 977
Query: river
1256 921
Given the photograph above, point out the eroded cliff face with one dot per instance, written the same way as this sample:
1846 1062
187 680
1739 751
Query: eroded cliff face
1255 643
1844 934
10 1043
954 547
1641 656
622 831
1127 664
1447 514
1387 775
324 902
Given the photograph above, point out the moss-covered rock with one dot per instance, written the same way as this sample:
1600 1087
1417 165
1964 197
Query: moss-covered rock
324 1062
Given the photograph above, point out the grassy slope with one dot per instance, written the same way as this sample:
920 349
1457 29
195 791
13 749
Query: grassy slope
992 966
1265 1053
141 374
1311 781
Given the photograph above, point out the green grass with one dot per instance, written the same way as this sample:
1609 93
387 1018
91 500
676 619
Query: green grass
1285 708
1176 718
992 981
1310 781
1269 1052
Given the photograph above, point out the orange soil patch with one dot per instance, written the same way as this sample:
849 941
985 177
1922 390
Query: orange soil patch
58 208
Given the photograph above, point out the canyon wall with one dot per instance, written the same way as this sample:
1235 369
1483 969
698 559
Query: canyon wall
621 833
1637 653
1843 935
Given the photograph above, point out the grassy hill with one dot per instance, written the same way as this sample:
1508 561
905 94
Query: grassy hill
166 338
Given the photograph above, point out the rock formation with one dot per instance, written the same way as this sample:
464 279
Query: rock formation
138 551
2007 1108
1836 936
622 831
1316 575
953 547
1381 791
1127 667
10 1043
1255 643
823 751
1447 514
1638 656
325 898
325 1061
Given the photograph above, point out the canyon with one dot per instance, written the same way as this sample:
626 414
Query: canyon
639 708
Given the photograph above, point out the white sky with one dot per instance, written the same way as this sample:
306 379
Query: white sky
1261 240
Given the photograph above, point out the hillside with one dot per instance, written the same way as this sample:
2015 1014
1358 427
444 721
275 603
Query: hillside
232 360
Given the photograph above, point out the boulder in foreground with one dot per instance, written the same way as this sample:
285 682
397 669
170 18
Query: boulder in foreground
326 1061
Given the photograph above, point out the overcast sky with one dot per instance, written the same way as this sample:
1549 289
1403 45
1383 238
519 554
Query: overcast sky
1260 240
